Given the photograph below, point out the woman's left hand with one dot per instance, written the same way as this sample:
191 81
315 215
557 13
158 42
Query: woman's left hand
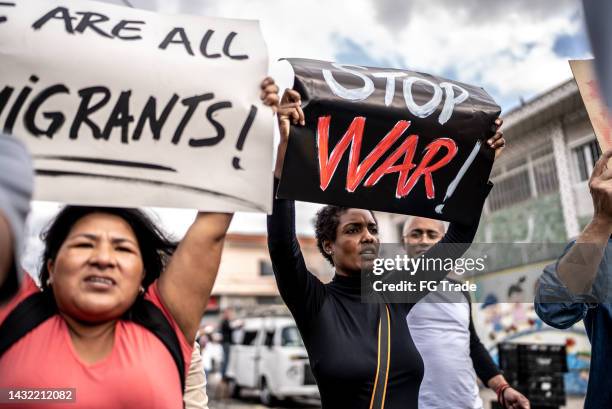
515 399
269 93
497 141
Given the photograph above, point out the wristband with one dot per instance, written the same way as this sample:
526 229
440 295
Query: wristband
500 394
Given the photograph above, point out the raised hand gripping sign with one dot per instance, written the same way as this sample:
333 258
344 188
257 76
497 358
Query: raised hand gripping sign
389 140
126 107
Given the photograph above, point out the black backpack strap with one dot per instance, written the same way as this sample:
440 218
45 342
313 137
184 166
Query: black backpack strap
29 314
145 313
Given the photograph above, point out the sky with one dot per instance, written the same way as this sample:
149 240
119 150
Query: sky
515 49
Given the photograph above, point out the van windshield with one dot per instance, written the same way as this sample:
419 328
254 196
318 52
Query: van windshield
290 337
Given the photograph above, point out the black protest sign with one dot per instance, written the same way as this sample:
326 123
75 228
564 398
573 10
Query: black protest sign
390 140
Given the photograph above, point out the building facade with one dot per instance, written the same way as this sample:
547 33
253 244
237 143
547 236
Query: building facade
246 280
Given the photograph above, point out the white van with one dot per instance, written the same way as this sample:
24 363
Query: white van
268 355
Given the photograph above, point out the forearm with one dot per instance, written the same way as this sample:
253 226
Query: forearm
496 382
578 268
483 364
280 159
454 244
282 238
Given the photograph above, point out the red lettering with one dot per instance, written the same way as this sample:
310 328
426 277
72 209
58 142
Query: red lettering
424 170
407 148
353 136
328 163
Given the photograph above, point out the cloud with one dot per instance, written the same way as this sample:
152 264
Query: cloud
513 48
397 14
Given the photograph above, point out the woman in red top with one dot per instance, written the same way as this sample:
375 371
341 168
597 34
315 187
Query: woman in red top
97 263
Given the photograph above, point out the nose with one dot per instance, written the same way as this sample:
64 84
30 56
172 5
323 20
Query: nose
368 237
103 256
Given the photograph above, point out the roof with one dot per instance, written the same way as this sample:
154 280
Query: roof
544 108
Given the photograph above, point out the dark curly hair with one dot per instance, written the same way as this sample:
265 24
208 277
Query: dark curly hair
326 225
155 247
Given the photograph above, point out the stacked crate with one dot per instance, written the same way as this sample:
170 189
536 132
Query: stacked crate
535 370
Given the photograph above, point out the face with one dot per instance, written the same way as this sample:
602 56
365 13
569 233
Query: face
422 233
98 269
356 244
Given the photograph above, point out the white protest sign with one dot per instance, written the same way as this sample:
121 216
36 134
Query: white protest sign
126 107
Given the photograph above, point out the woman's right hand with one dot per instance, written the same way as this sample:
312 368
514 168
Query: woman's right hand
290 111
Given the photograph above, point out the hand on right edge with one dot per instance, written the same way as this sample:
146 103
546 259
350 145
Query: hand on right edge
600 185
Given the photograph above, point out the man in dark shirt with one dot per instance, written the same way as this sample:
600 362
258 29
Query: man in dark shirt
226 334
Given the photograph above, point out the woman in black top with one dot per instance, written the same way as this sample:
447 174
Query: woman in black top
340 332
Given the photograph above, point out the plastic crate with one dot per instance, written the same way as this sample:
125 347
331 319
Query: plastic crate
541 390
496 405
542 358
532 358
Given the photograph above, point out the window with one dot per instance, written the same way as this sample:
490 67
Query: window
531 175
586 155
249 337
269 341
290 337
545 174
265 268
510 189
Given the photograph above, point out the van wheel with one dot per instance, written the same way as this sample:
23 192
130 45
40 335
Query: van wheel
234 389
265 394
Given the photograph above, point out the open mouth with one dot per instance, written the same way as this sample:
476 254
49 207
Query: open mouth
369 252
100 281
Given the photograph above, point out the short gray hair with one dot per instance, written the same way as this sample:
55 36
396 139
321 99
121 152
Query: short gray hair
409 220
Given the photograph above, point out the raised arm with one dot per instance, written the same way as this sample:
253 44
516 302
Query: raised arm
186 284
301 291
578 268
578 281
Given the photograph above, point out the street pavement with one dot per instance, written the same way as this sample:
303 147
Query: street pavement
250 400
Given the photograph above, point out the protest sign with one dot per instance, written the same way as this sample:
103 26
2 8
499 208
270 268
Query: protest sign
584 74
126 107
389 140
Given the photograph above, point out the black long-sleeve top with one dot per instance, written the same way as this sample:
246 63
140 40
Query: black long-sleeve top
339 331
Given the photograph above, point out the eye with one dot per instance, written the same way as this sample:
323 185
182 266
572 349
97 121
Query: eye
83 245
124 249
374 229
